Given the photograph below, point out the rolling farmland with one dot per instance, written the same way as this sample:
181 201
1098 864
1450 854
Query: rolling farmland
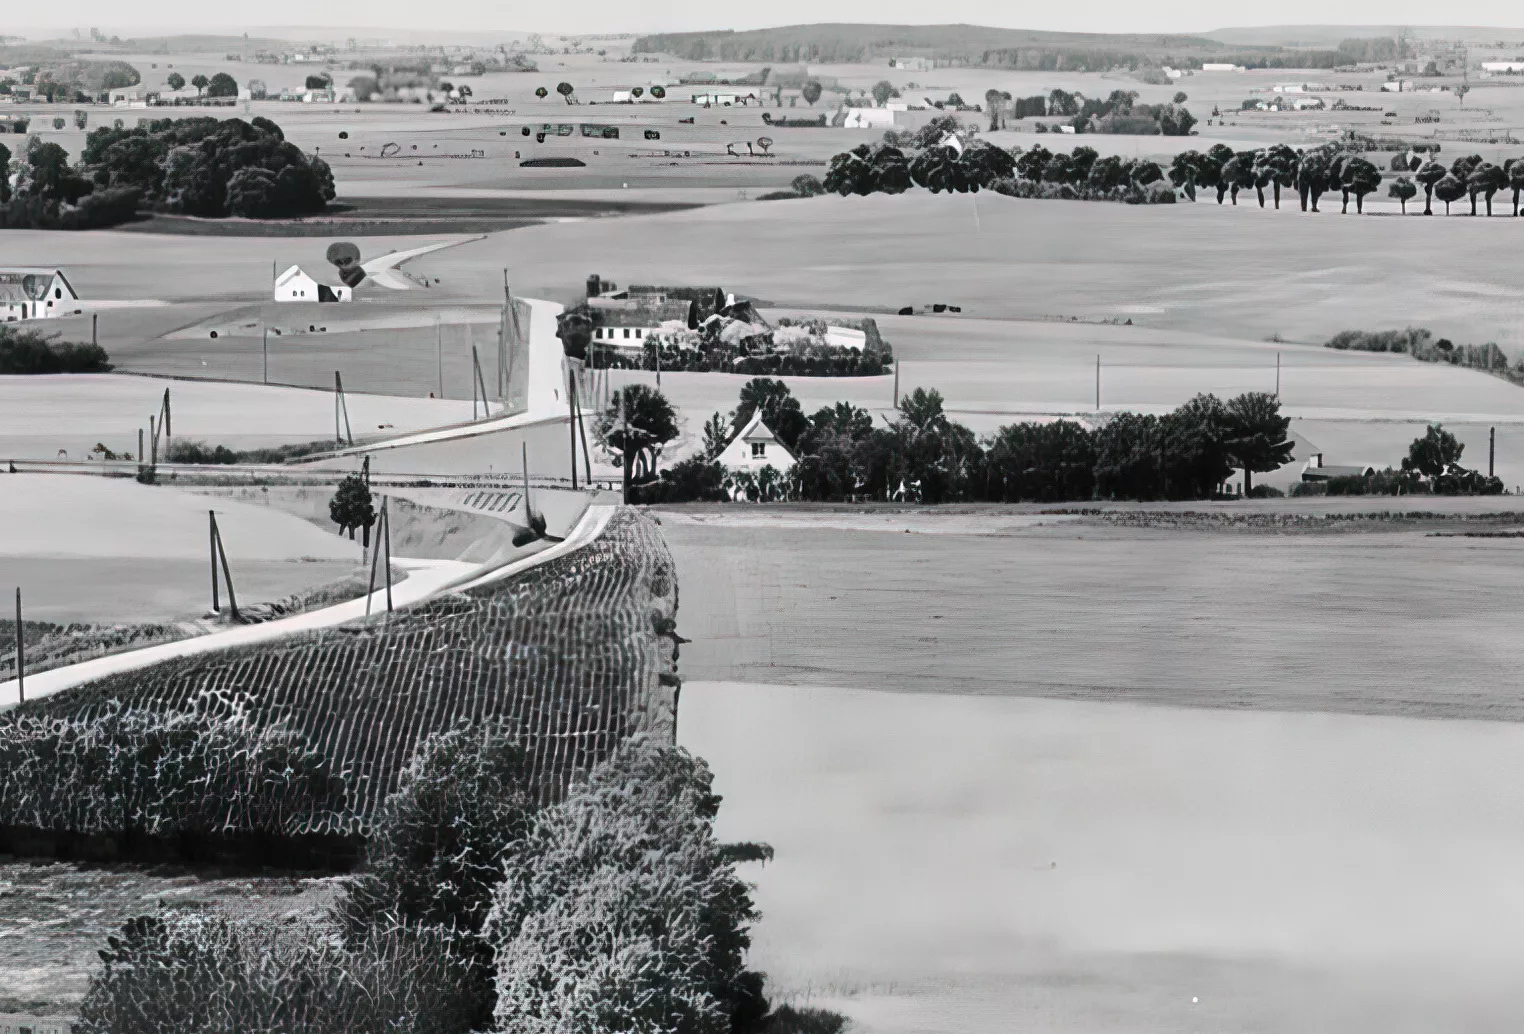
573 652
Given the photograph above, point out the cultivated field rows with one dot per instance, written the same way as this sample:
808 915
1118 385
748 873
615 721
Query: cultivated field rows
570 652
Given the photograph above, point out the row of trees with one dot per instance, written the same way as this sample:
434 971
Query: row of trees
926 456
895 164
613 910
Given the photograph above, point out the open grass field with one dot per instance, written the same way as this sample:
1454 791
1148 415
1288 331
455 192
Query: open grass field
1388 620
107 550
39 416
986 864
1044 286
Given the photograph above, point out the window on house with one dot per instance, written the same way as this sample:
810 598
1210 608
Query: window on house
637 332
626 331
758 450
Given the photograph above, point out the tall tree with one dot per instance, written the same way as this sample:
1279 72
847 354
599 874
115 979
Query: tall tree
883 91
1432 453
651 423
1257 434
1449 189
1402 189
1486 179
1514 167
176 81
811 91
780 410
1360 178
1429 174
200 82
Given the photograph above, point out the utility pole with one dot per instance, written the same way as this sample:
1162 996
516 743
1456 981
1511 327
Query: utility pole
264 355
1492 448
439 353
20 653
1277 375
386 524
95 319
571 407
624 457
896 384
140 446
1097 384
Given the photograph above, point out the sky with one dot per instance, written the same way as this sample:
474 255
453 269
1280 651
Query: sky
614 16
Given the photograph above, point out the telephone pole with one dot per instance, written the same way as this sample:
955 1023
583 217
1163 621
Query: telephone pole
1097 384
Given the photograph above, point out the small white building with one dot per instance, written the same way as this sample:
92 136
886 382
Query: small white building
868 118
756 447
33 293
294 285
1504 67
1218 66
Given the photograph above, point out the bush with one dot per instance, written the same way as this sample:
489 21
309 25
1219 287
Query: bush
97 210
620 911
31 352
1266 492
788 1020
190 450
125 772
693 480
437 851
208 975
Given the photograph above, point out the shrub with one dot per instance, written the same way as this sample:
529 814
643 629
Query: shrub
208 975
97 210
695 479
124 772
1266 492
32 352
620 911
437 851
788 1020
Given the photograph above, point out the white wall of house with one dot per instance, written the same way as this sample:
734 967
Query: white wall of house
754 448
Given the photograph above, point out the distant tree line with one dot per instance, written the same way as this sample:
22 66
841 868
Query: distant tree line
210 167
900 161
925 456
204 167
1420 343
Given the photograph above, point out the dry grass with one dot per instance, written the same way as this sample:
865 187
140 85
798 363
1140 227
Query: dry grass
987 864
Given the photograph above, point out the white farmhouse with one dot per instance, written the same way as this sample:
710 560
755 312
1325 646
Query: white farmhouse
32 293
756 447
294 285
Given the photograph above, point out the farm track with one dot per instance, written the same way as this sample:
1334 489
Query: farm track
571 652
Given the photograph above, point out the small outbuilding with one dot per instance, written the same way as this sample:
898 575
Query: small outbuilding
294 285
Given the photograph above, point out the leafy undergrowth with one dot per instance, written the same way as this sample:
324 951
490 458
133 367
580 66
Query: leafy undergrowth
55 915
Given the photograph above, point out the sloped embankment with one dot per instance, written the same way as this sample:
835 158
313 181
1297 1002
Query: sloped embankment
579 652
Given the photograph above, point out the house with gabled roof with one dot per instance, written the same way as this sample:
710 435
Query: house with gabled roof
756 447
35 292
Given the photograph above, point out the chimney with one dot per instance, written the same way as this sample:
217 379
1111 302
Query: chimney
1317 460
594 283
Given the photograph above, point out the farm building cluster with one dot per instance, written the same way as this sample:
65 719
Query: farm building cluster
710 329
